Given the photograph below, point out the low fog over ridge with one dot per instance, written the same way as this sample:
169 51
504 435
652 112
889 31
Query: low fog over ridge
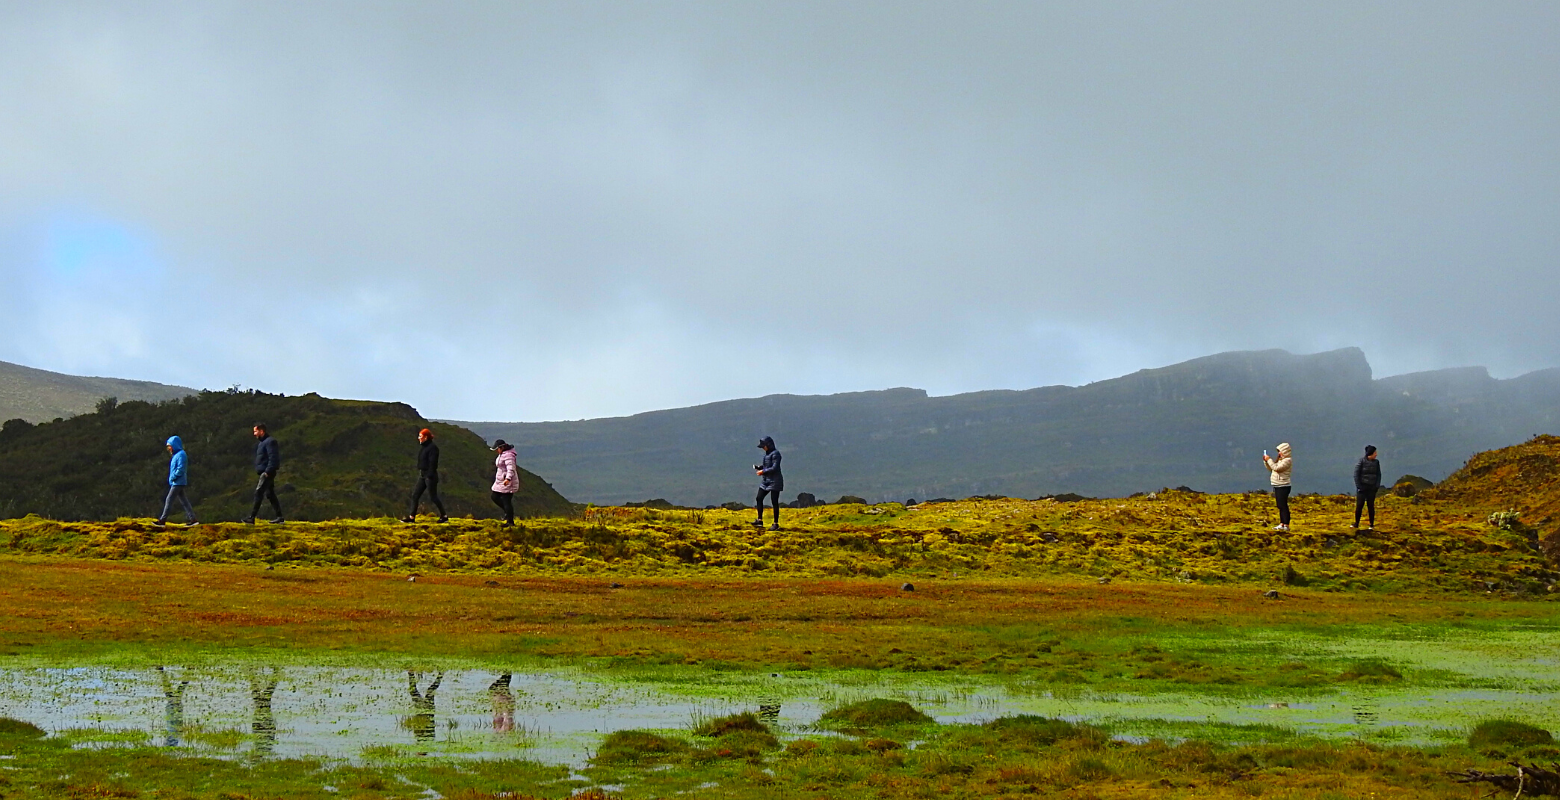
546 211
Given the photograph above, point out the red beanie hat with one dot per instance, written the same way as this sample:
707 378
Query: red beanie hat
425 432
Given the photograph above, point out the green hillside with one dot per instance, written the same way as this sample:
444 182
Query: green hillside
340 458
38 395
1202 423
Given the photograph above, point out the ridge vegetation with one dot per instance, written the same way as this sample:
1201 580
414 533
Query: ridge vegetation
340 458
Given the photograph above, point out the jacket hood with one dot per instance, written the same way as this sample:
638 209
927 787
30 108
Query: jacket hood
1283 449
176 443
767 443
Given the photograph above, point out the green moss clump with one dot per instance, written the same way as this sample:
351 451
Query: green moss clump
637 747
1507 733
720 726
873 714
1371 671
18 728
1031 729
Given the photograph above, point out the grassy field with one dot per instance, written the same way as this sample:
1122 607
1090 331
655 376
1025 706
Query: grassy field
1011 593
1173 536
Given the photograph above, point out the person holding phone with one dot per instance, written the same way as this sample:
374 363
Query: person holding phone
1279 476
770 481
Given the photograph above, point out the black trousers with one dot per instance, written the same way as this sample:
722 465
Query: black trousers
431 484
1365 498
506 503
1281 496
266 490
774 500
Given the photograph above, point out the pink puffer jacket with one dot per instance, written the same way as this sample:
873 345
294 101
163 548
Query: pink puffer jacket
506 477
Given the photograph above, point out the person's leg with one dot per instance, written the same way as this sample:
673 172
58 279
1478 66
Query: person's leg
758 504
433 494
417 493
498 499
1370 502
184 500
774 503
270 494
1281 494
260 487
509 507
1359 505
167 504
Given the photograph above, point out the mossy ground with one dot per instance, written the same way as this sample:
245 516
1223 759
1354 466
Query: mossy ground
1171 536
1002 588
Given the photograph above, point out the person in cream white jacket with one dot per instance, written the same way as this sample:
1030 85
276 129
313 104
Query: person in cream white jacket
1278 475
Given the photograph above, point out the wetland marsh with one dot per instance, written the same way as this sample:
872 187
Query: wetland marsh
1101 648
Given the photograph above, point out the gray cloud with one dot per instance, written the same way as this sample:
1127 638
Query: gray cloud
531 211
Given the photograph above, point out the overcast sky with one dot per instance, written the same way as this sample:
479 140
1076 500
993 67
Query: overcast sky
526 211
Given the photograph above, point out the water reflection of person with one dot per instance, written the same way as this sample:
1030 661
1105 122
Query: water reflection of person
261 690
503 704
421 723
173 696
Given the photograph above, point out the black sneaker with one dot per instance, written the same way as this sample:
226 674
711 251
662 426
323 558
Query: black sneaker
775 526
159 524
277 521
192 523
408 518
248 520
444 519
759 522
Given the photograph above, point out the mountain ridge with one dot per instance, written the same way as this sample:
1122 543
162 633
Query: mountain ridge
1202 422
38 395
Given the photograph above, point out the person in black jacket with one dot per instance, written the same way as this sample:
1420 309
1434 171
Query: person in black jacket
268 459
427 477
1367 481
770 481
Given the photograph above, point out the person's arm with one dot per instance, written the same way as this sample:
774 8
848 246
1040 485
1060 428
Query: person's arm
1359 474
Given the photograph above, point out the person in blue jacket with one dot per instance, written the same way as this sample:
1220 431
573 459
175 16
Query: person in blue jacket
178 480
268 459
770 482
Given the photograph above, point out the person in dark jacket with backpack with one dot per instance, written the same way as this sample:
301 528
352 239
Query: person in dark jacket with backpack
770 482
268 459
1367 481
427 477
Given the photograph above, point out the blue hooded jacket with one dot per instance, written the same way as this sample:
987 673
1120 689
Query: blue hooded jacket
178 470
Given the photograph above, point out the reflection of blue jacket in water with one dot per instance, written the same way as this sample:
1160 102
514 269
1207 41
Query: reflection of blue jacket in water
178 466
770 477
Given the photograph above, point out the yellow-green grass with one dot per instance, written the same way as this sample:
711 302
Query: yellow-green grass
1174 537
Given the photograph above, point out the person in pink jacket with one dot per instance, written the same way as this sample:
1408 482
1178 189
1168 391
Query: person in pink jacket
506 480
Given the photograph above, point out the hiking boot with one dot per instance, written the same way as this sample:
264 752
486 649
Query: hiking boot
248 520
775 526
277 521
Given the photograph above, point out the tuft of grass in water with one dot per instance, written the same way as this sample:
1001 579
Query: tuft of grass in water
20 729
637 747
1371 671
874 714
720 726
1507 734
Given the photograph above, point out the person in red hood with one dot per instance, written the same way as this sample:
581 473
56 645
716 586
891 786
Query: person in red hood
427 477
